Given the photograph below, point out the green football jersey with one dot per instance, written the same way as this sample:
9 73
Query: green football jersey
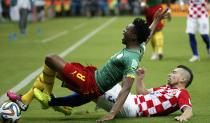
152 3
122 64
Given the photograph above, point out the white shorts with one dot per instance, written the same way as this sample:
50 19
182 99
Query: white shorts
200 24
109 98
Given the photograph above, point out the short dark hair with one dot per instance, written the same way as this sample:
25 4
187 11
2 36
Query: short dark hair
142 30
189 71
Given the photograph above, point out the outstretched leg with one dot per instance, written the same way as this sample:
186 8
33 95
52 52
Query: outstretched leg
53 64
44 81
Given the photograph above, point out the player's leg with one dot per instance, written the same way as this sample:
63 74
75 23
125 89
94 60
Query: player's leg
24 100
73 100
206 40
107 100
149 13
53 64
159 41
193 44
204 31
44 99
43 82
154 54
191 30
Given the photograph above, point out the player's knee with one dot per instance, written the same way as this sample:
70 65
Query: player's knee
55 62
49 59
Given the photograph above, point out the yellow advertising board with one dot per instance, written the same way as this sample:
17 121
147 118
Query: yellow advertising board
176 11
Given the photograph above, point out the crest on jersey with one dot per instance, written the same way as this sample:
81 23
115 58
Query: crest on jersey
134 64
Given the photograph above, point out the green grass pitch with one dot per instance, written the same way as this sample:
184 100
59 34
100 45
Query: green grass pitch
21 57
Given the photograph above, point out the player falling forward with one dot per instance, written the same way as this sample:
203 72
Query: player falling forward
91 82
158 101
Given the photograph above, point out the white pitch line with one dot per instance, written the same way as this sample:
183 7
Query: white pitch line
31 76
54 37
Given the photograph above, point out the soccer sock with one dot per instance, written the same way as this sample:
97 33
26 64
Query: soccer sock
159 42
28 97
49 78
193 44
72 100
207 41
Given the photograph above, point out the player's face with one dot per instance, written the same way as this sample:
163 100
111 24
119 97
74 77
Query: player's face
127 33
175 77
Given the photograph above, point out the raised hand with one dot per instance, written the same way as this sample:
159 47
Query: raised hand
140 72
162 14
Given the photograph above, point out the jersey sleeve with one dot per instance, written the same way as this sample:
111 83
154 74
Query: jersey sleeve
131 62
184 100
131 65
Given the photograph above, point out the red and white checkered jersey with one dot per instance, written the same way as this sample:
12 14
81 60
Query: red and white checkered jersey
162 101
198 8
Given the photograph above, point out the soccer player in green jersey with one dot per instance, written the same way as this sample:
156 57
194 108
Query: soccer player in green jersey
90 82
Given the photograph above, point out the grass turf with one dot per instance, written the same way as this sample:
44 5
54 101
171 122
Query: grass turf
21 57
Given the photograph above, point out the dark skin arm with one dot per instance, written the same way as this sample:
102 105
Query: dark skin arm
55 62
127 84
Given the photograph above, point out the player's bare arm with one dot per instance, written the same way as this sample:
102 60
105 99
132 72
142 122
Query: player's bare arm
140 88
159 15
186 115
127 84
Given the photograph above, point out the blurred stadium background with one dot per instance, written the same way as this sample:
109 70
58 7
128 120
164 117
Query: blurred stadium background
61 29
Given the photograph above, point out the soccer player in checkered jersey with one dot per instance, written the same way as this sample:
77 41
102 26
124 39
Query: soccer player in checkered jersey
197 20
158 101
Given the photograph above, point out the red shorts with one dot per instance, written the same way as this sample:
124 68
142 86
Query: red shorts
81 79
150 13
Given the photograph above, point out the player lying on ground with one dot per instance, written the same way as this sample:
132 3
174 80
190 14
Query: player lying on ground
158 101
91 82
